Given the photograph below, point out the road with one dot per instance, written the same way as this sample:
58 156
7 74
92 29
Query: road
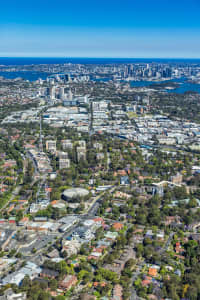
167 243
92 210
17 189
41 242
15 192
134 277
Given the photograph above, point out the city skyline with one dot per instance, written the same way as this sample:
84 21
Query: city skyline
127 29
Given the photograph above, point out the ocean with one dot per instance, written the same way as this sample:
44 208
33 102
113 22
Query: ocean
8 61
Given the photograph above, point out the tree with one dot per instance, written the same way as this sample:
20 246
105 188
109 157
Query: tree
139 250
192 293
60 298
19 216
108 275
26 283
130 263
85 276
44 296
53 284
192 203
141 219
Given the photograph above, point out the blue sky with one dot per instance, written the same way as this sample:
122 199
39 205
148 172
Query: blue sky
100 28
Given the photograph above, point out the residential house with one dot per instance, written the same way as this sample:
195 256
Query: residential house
118 226
71 247
152 272
68 282
117 292
124 180
49 273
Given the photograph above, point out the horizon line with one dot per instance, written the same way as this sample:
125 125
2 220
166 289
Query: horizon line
99 57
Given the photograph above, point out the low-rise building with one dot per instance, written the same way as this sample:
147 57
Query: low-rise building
49 273
71 247
10 295
66 144
117 292
81 153
51 145
68 282
64 163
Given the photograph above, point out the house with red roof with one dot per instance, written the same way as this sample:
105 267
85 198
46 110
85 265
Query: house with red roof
118 226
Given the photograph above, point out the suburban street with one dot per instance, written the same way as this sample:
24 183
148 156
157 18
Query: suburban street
134 277
167 243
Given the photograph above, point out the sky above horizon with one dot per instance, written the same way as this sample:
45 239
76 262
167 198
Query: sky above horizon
100 28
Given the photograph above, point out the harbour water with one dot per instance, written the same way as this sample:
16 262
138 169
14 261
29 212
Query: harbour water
27 75
184 85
